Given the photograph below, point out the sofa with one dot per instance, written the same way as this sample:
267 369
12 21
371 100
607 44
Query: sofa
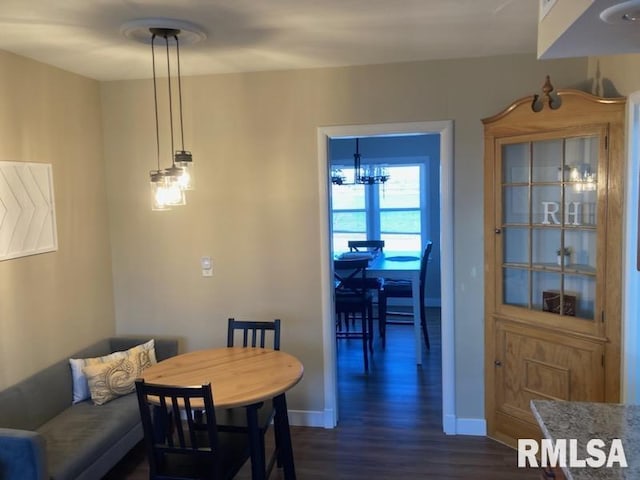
44 436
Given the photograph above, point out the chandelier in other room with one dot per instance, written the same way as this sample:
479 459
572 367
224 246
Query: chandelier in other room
366 175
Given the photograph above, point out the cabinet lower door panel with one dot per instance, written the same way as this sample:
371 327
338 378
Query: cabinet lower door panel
536 363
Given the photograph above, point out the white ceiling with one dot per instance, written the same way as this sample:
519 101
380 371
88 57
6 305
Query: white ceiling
83 36
598 30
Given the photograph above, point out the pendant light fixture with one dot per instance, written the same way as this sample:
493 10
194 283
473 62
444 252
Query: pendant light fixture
165 186
168 184
367 175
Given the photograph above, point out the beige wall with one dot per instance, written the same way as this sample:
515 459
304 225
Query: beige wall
255 211
55 303
616 74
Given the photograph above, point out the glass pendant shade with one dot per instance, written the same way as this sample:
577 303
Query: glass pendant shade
187 177
165 191
175 193
158 196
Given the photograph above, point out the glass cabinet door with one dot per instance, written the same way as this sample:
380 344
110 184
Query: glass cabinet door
547 224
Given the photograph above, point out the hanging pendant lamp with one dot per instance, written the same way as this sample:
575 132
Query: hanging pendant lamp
168 184
165 183
367 175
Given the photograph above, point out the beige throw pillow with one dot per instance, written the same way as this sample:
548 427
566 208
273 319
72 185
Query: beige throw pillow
116 378
113 379
145 355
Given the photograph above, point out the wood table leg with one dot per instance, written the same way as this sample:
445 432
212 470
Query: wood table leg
283 433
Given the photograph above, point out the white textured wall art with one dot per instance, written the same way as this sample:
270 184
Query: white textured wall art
27 210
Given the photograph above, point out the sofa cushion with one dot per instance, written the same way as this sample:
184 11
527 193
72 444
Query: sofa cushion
83 432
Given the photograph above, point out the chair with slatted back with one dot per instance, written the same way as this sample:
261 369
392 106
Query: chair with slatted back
178 446
372 246
353 297
254 334
393 288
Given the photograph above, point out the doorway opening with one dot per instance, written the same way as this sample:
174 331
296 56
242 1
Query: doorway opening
445 131
631 280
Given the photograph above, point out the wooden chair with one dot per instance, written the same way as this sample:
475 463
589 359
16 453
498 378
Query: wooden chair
373 246
254 332
402 289
353 296
178 446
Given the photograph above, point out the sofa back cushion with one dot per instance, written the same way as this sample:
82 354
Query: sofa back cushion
37 399
164 347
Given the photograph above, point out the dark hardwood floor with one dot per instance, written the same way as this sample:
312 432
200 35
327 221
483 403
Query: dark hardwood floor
390 424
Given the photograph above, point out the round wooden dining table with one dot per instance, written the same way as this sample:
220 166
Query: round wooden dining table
240 377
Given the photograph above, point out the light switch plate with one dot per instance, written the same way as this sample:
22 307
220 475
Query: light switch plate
206 265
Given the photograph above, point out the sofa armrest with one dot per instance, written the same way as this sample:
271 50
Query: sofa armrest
22 455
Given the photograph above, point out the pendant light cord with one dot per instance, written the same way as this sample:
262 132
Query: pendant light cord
179 91
155 100
166 39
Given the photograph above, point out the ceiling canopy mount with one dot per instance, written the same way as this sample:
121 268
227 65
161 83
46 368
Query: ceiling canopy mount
138 30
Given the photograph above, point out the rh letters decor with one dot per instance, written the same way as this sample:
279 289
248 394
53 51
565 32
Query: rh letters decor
27 209
551 210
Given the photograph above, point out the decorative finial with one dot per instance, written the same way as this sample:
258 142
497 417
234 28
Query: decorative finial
547 88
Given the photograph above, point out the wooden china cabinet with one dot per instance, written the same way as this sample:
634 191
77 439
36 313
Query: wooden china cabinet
553 244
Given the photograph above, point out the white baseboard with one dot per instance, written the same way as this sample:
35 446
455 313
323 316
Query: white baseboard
464 426
471 426
452 425
449 424
308 418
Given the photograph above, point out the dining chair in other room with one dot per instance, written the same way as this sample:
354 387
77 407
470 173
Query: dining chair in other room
393 288
373 246
352 296
178 446
253 334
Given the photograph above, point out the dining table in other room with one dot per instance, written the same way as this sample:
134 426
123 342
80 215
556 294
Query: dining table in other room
399 265
402 265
